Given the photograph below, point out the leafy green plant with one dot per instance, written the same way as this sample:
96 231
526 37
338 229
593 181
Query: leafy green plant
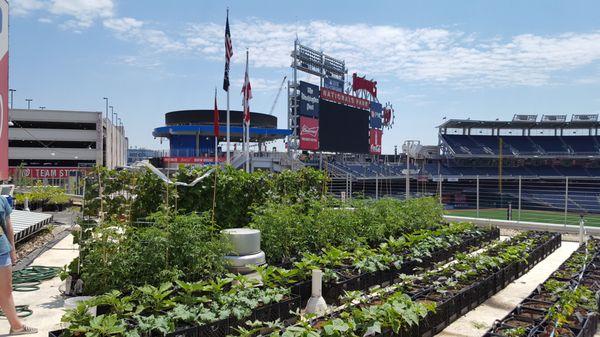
118 256
515 332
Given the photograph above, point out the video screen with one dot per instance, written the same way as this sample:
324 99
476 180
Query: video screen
343 128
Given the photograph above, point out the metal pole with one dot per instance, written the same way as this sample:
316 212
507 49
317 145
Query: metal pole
477 188
407 182
12 98
247 124
566 198
520 198
350 195
216 155
112 135
346 188
376 188
228 131
29 100
248 147
440 183
581 228
102 149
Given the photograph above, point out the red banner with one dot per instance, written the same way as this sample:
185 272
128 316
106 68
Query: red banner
309 133
191 160
339 97
3 90
360 83
46 172
375 141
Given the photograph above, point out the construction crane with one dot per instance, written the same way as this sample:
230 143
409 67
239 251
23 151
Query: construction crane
278 93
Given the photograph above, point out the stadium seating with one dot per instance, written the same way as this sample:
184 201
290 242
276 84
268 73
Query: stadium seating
551 144
582 144
523 145
463 144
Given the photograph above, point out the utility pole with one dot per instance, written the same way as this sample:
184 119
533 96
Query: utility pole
102 150
12 98
112 134
29 100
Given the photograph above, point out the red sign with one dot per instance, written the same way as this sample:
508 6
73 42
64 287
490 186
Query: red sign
309 133
3 90
375 141
360 83
45 172
191 160
340 97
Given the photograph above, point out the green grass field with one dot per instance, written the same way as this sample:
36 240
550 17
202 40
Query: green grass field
528 215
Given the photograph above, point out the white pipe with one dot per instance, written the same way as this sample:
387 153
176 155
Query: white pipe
316 303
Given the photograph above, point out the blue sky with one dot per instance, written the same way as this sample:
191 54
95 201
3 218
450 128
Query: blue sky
432 59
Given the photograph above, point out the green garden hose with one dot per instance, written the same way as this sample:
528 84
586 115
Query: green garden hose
22 311
30 278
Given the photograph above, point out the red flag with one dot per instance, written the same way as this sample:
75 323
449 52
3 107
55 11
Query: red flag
216 117
247 91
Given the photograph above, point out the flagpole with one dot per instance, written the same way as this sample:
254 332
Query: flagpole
216 137
228 55
228 120
228 140
247 124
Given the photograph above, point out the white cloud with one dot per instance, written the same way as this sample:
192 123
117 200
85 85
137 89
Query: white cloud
135 30
259 83
83 12
123 25
138 62
24 7
427 54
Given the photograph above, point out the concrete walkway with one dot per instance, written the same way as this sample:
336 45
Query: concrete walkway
46 303
477 322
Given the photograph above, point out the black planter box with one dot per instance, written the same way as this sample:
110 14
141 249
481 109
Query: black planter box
471 297
538 308
333 290
216 329
193 331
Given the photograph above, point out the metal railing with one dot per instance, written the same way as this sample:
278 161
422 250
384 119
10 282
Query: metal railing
547 200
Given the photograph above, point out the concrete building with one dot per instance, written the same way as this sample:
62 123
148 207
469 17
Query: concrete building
67 140
139 154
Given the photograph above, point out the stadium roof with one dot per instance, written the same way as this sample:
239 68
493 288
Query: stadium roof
473 124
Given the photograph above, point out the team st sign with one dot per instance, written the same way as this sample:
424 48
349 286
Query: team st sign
46 172
3 90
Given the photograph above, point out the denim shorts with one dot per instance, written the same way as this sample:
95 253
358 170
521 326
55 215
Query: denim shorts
5 260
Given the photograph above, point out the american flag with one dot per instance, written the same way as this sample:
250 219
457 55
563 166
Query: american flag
228 53
247 91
